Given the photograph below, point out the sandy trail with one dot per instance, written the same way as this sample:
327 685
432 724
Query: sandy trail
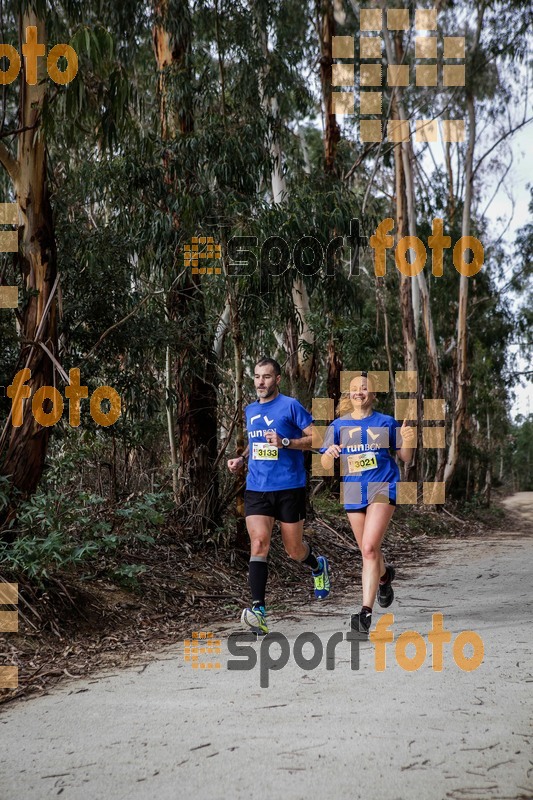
166 731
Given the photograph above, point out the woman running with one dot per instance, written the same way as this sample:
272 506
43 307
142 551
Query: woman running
361 438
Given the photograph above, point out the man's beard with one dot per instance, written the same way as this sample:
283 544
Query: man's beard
269 392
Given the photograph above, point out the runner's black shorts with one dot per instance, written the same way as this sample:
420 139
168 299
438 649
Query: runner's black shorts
285 505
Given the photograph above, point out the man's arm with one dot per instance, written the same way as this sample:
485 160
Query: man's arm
237 463
304 443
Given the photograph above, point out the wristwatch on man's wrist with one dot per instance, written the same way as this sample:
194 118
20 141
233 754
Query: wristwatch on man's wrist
285 442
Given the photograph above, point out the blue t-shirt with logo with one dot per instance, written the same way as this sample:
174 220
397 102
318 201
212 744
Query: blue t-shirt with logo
288 418
368 470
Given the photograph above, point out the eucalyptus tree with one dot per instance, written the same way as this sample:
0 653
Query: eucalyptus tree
37 113
26 167
499 40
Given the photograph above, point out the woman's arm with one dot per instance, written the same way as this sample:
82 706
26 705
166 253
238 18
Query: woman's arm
328 458
332 450
408 436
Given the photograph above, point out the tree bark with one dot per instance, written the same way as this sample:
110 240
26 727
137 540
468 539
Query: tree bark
171 425
419 286
302 357
406 283
27 444
193 368
461 367
334 367
332 133
299 340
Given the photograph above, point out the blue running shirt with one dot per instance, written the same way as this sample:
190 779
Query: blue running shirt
269 471
367 467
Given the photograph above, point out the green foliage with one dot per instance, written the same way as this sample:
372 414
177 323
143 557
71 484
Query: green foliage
325 502
143 512
519 454
125 202
56 531
128 574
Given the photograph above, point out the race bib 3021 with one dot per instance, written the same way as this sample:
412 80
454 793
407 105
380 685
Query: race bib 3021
362 462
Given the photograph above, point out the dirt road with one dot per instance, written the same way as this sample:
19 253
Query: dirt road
166 730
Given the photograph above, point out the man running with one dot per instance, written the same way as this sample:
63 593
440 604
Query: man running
279 430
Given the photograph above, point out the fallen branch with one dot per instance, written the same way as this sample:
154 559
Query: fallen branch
340 538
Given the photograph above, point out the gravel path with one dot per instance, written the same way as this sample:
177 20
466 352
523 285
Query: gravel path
166 730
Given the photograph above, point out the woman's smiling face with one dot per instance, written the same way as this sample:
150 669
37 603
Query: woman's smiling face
360 394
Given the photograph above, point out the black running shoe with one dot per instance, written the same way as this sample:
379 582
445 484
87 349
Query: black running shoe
360 624
385 590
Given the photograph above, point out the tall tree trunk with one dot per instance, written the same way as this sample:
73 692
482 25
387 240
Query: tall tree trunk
326 17
27 444
381 305
332 133
334 368
193 368
299 339
419 284
405 152
451 192
171 424
406 307
241 539
461 365
488 470
406 283
232 313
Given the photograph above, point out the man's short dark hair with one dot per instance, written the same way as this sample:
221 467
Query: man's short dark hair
264 360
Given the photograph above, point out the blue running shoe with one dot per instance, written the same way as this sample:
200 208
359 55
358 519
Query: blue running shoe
321 579
255 619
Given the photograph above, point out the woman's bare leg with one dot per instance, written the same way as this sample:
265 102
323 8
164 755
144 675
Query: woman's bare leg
369 529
